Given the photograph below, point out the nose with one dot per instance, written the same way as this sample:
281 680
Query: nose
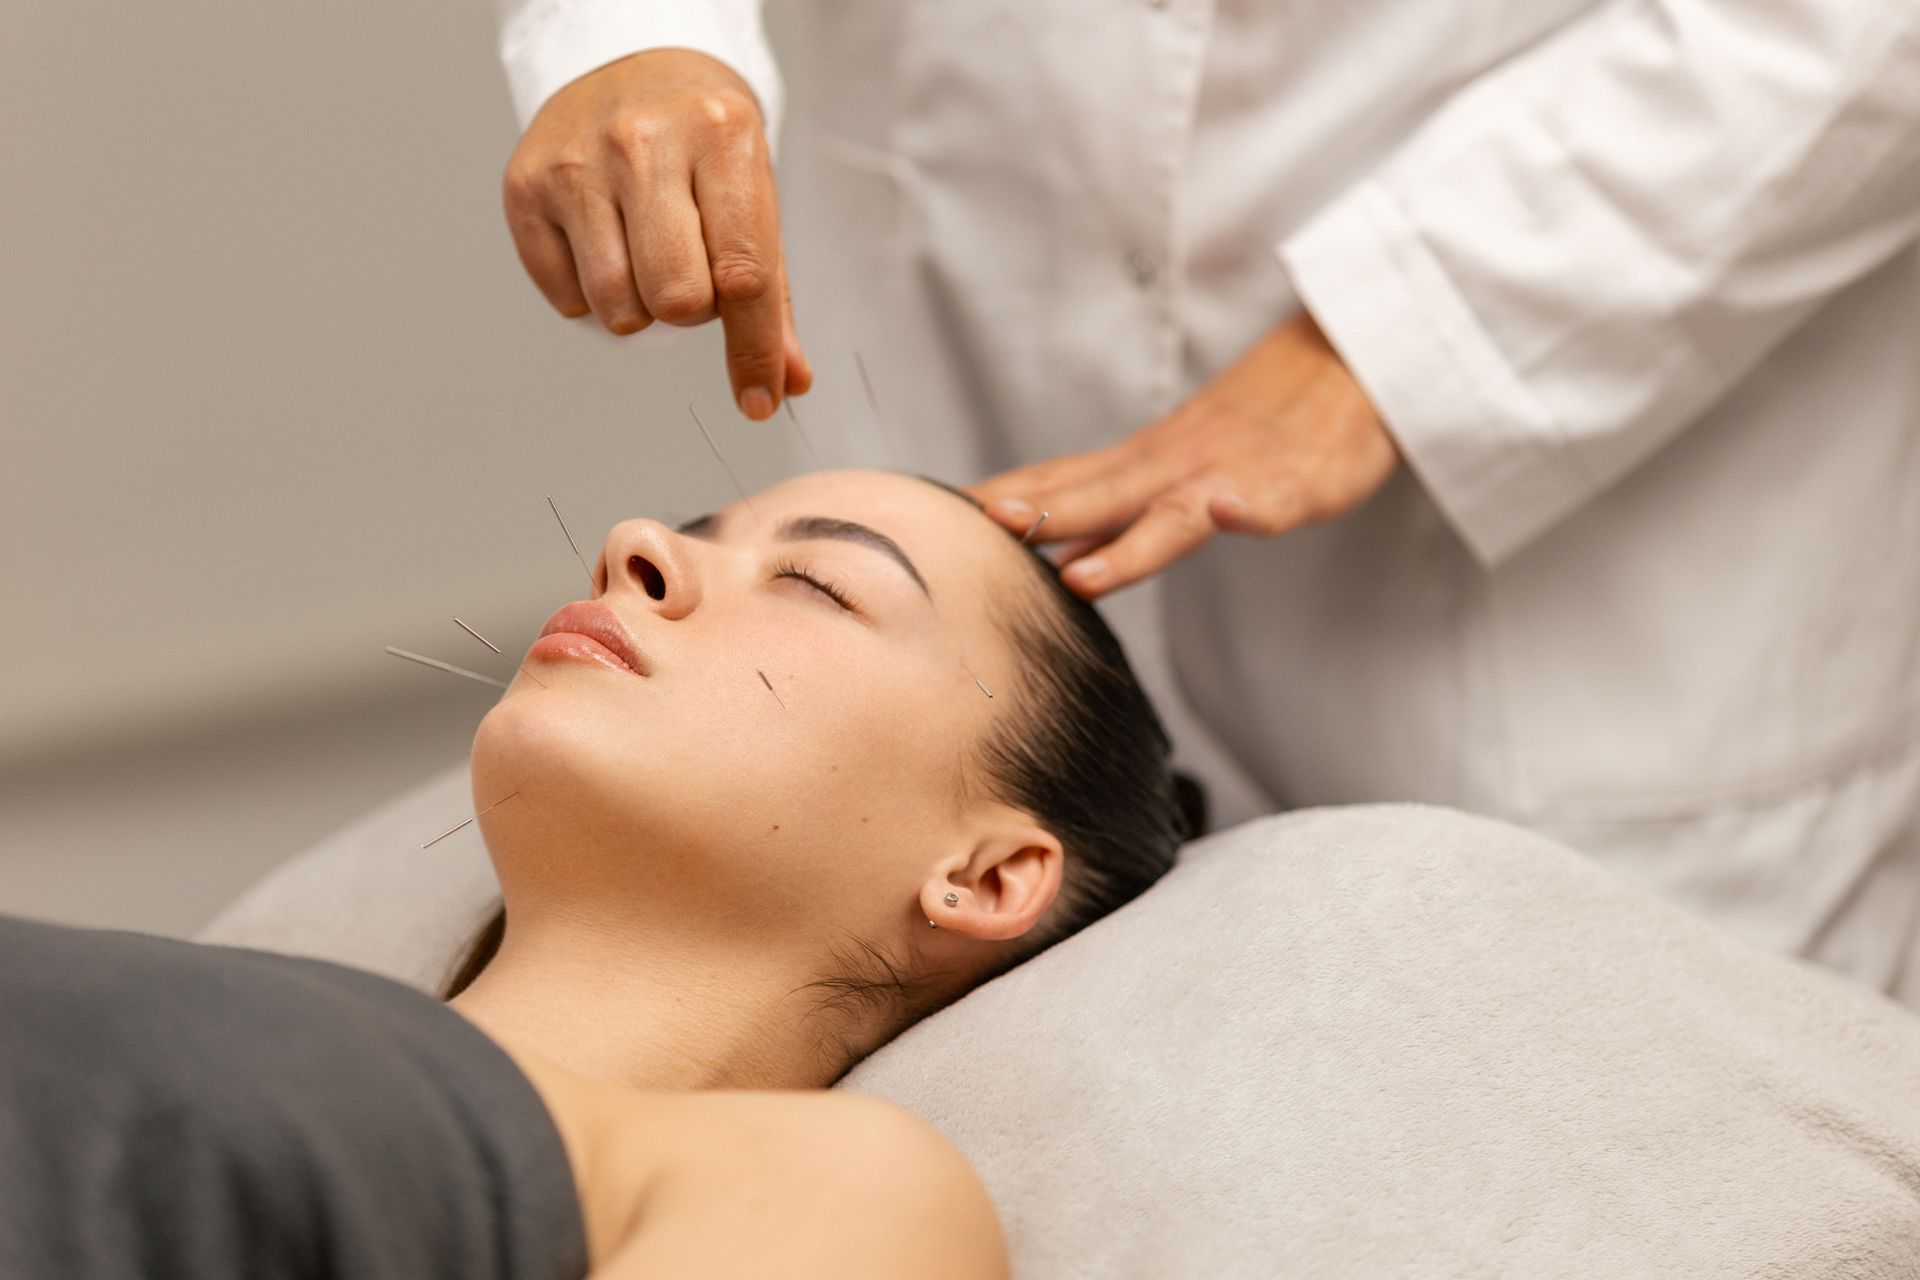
649 560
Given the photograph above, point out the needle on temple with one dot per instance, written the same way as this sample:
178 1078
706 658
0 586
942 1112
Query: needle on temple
738 487
795 419
873 403
496 648
456 826
446 666
591 584
1032 528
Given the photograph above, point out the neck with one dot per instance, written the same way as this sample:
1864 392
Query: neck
633 1005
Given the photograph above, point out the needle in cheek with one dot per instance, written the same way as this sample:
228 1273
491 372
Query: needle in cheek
770 689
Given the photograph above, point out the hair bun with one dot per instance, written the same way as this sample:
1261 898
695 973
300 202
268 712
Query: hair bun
1190 805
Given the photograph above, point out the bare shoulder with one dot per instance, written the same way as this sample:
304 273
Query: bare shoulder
807 1184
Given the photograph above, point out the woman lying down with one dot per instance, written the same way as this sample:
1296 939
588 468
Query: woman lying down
799 774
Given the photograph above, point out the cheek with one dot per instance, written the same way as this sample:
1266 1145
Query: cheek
842 753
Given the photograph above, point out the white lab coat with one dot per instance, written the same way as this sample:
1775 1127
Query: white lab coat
1634 285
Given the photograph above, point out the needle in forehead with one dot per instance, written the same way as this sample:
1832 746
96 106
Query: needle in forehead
795 419
722 461
873 403
1033 528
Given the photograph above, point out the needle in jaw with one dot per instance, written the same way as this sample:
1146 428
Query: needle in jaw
456 826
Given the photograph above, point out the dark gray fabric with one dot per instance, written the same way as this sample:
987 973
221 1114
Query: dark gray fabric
174 1109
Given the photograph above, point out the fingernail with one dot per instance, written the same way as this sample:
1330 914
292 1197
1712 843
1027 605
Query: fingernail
1090 569
756 402
1011 508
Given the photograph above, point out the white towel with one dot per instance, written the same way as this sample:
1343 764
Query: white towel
1396 1040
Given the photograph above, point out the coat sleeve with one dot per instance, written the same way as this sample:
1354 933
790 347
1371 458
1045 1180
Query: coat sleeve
1585 248
545 44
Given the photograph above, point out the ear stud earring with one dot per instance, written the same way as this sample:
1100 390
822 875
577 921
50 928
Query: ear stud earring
951 899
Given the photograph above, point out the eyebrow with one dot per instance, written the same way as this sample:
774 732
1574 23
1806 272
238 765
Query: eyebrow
811 528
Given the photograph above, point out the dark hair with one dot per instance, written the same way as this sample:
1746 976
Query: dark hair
1081 750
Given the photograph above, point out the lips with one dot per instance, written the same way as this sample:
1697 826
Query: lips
597 622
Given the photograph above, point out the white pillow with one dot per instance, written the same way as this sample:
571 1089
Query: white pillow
1387 1040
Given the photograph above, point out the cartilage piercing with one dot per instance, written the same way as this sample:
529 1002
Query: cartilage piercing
795 419
1032 527
591 584
456 826
496 648
770 689
722 461
873 403
446 666
952 899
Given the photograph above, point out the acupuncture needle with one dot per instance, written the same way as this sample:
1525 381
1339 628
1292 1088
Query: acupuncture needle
591 584
873 403
770 689
1032 528
795 419
446 666
496 648
456 826
741 489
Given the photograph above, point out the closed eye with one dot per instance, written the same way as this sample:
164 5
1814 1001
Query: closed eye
789 569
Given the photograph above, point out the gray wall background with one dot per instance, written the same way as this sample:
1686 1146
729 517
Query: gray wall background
274 393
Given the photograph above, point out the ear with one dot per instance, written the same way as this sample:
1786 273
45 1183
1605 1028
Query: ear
1006 883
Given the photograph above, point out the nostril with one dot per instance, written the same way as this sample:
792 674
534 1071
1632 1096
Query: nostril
650 577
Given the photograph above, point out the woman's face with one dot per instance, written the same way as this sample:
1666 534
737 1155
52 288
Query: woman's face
780 756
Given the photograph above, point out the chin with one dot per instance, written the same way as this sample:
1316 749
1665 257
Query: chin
585 764
551 750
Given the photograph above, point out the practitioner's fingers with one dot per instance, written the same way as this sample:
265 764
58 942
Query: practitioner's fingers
799 368
1175 524
645 188
547 258
669 255
1013 496
1106 500
598 235
740 220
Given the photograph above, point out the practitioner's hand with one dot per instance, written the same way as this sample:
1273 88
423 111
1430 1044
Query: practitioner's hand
644 191
1283 437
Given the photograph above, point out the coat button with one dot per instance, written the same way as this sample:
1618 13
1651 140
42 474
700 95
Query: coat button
1145 269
